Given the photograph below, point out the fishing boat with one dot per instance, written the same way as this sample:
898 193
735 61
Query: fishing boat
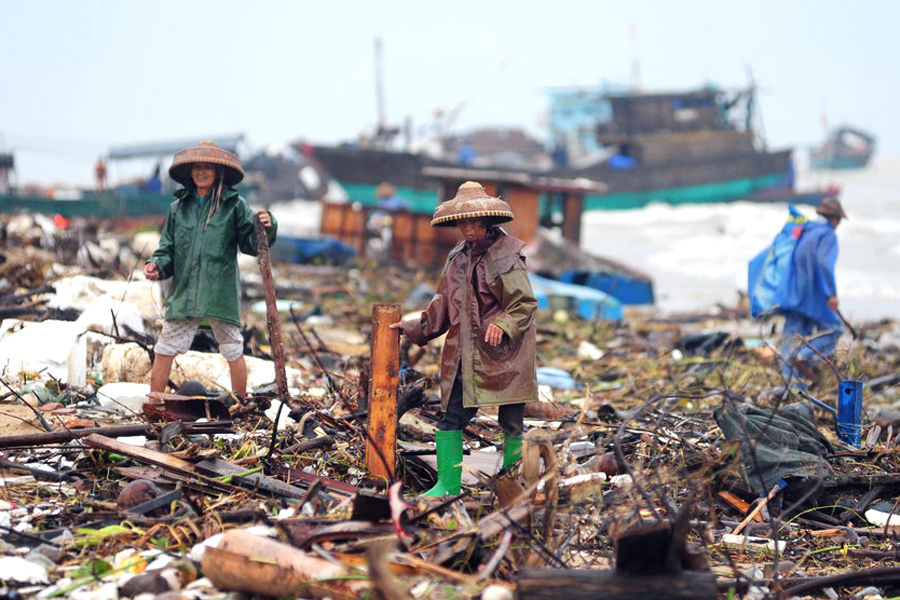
270 176
696 146
844 148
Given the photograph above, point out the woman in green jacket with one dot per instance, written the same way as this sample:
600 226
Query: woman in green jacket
485 305
205 226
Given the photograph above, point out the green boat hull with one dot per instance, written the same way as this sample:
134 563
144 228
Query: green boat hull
425 201
91 205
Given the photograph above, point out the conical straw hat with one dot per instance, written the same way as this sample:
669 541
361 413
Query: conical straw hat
471 202
205 152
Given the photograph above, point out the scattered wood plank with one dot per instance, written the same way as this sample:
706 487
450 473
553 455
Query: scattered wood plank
216 467
112 431
583 584
738 504
159 459
329 484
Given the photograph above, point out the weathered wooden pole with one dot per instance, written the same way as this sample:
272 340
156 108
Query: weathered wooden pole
274 326
381 443
272 321
573 207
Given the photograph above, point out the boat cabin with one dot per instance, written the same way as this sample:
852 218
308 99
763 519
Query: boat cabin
7 165
536 201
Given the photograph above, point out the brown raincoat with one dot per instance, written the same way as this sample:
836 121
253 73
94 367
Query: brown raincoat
483 283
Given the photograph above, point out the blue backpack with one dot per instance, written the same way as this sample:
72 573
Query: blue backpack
771 269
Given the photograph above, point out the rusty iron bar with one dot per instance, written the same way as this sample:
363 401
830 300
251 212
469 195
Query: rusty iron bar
381 443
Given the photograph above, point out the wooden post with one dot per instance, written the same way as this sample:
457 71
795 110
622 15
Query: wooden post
573 207
381 444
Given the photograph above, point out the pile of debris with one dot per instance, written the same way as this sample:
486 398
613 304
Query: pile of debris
666 458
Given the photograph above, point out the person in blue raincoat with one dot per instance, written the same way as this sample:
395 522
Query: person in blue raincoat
809 299
381 221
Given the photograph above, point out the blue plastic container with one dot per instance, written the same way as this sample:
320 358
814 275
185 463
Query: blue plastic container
849 412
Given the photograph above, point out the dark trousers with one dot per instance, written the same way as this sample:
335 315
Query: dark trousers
457 416
797 327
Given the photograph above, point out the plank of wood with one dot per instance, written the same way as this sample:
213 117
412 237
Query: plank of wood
56 437
499 521
217 467
739 504
159 459
585 584
330 485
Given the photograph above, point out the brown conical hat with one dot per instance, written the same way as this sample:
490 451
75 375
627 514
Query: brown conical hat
205 152
471 202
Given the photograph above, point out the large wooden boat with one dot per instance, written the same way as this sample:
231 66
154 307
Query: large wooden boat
689 147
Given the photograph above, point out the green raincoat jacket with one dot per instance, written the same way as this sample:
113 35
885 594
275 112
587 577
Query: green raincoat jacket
483 283
203 262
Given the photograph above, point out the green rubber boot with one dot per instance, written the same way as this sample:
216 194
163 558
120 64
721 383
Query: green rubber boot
449 463
512 450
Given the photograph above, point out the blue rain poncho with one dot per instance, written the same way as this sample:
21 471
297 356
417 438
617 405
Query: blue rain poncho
812 275
803 283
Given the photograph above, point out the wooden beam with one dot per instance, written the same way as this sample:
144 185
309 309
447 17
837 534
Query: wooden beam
112 431
164 461
584 584
381 443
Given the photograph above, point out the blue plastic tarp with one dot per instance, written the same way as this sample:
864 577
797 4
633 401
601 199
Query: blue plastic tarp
556 378
625 289
586 302
769 272
311 250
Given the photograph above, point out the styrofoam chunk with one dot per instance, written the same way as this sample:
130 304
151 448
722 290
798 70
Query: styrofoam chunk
123 396
16 568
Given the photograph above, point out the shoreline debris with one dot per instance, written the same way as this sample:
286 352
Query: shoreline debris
628 483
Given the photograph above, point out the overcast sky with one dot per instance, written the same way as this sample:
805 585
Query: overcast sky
80 76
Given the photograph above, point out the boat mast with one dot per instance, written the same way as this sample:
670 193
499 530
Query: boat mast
379 87
754 115
635 59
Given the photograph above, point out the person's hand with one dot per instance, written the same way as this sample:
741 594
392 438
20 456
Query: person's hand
493 335
833 303
263 215
151 271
